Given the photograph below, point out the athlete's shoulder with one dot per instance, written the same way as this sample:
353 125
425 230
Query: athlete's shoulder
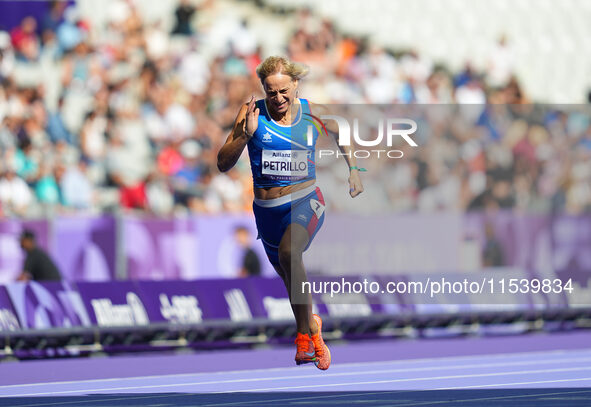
318 108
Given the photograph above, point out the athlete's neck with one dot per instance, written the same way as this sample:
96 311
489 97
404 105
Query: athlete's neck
285 119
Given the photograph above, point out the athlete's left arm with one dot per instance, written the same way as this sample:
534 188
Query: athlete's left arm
355 184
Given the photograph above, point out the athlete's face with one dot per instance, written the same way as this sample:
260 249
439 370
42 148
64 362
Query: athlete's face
281 92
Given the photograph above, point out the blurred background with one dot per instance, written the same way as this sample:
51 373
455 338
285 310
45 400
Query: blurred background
112 114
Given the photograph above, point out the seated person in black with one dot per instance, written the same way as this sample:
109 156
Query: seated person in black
38 265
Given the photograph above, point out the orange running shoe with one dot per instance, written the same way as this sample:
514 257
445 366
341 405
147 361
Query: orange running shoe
322 361
305 349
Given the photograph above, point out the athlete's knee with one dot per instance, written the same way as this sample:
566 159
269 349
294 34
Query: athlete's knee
288 255
285 254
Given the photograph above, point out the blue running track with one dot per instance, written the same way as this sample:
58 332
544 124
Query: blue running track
526 370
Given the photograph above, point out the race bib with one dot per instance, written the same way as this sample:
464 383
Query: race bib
285 164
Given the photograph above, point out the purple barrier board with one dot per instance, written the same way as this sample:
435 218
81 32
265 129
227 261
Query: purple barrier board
8 318
385 244
346 303
571 247
219 253
84 248
157 249
525 241
139 303
271 298
187 248
115 303
228 299
535 242
194 301
47 305
546 247
176 302
11 254
571 244
207 247
448 293
143 302
125 303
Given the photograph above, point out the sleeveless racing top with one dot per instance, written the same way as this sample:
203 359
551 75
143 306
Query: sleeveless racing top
280 154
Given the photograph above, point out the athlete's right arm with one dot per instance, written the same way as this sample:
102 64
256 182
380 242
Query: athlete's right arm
245 125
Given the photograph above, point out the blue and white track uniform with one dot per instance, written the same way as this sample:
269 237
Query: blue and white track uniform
280 155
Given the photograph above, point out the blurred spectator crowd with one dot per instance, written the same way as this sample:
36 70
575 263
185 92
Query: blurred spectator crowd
527 158
131 116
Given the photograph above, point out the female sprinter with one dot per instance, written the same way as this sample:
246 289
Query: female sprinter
288 207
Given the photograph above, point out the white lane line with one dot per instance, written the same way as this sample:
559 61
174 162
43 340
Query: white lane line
349 394
355 373
582 379
343 366
417 379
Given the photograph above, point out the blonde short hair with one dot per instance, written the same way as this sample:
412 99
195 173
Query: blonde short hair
278 64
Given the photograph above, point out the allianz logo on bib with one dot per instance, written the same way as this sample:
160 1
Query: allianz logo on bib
281 154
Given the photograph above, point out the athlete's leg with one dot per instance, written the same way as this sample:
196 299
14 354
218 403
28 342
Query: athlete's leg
280 273
294 241
294 307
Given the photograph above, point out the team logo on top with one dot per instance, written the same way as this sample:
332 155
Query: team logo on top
267 137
